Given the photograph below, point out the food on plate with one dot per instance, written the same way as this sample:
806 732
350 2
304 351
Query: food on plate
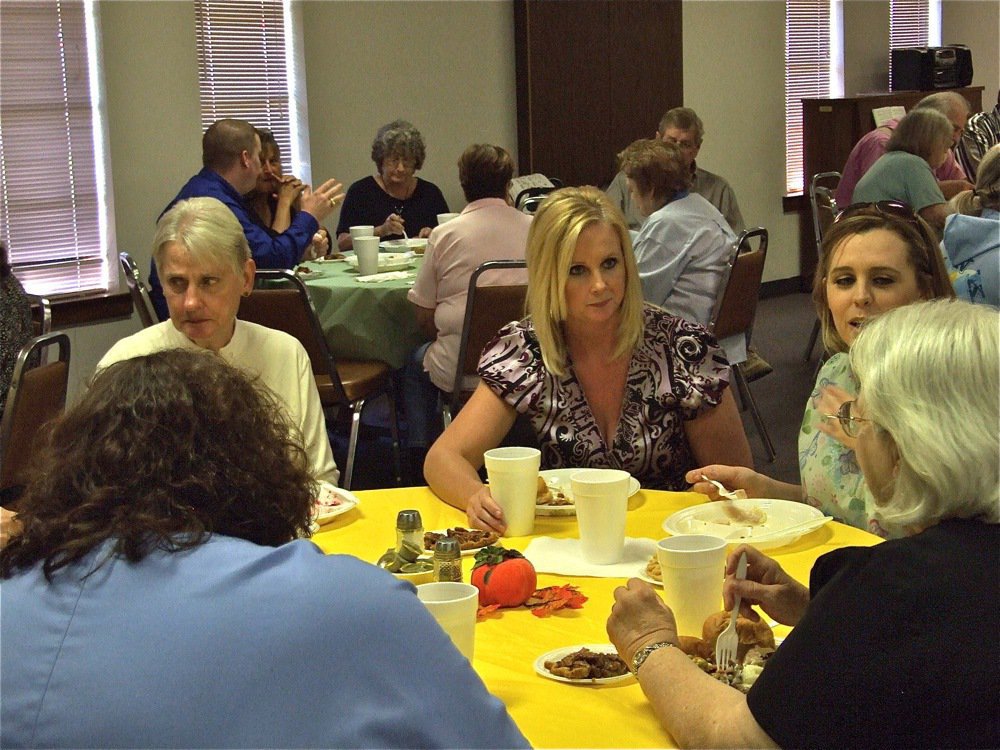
467 538
303 270
653 568
756 644
327 501
503 576
750 633
587 665
548 495
747 515
334 256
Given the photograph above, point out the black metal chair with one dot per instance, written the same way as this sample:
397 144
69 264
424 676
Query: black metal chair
139 291
823 203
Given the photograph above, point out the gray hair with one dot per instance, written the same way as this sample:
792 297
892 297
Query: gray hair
683 118
921 132
207 229
930 377
401 139
947 103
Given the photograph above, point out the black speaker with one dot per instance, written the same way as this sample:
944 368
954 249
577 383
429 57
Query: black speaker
931 68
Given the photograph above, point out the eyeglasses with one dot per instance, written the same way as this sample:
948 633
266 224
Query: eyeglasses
894 209
848 422
683 145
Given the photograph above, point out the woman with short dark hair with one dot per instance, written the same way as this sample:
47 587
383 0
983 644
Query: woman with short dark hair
395 200
158 595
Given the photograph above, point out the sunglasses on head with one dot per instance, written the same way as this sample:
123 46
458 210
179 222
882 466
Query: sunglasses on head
894 209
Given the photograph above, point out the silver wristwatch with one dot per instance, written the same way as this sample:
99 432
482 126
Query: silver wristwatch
640 656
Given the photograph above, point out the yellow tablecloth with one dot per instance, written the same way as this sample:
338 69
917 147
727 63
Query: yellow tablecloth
553 714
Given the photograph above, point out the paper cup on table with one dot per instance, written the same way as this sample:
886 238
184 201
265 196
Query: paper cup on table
601 499
454 606
362 230
513 474
693 567
366 248
442 218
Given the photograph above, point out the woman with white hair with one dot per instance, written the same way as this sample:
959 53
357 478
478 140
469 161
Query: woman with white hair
972 235
920 144
204 262
893 644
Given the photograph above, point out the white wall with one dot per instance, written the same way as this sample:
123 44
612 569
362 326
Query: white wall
449 67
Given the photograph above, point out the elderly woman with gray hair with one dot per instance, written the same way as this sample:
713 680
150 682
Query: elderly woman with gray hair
395 201
892 645
920 144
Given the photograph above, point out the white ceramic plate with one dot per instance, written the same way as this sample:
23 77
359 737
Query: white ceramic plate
710 518
387 261
325 508
399 246
465 552
559 479
559 653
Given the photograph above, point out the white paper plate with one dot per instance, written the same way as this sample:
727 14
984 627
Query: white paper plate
642 575
710 518
387 261
559 653
399 246
465 552
324 511
559 479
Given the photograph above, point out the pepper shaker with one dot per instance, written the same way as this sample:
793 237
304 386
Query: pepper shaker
448 560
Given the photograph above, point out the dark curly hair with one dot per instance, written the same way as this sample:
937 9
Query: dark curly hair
163 451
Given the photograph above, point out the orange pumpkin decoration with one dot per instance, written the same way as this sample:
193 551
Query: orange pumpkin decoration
503 577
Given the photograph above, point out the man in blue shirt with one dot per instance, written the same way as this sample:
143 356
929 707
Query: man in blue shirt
230 154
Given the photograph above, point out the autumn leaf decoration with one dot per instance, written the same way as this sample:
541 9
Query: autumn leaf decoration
553 598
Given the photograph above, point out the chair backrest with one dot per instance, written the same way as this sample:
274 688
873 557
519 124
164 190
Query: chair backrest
822 201
41 314
736 305
139 291
487 310
280 300
37 395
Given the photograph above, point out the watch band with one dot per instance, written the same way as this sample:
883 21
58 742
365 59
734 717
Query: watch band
640 656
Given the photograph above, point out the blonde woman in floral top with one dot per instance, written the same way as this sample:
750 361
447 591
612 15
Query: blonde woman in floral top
875 258
604 380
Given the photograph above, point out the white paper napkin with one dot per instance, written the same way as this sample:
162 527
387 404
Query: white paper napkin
564 557
377 278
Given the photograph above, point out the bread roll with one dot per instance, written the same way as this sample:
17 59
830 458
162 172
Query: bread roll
750 633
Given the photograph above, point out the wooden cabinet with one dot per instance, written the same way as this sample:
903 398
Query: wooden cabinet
592 76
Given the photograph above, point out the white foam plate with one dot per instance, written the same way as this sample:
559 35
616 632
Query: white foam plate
387 261
559 653
642 575
325 509
414 243
710 518
559 479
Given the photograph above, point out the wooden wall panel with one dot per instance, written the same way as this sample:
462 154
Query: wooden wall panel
592 76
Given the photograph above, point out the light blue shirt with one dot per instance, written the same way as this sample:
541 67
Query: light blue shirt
972 250
232 644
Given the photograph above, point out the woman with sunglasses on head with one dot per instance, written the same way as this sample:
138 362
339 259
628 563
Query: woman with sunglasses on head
920 144
972 236
892 644
874 258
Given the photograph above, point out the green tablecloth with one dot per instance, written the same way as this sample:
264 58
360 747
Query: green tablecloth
364 321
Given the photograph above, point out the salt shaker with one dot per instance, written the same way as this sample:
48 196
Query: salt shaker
410 528
448 560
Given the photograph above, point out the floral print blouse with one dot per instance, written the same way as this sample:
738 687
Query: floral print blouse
676 373
831 477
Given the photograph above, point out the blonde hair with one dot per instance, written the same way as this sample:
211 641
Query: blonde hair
922 253
930 377
552 239
207 229
987 191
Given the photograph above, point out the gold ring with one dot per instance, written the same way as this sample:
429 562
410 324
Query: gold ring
333 203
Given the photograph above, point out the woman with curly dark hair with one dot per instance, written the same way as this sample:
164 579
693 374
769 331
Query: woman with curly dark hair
157 594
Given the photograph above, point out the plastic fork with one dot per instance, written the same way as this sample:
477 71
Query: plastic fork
728 641
722 489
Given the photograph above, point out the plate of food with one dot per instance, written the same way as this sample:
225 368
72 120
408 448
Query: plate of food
650 572
387 261
309 272
470 540
555 495
332 502
756 643
413 244
746 520
587 664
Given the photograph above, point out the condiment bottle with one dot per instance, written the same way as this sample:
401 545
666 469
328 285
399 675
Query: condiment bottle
448 560
410 528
